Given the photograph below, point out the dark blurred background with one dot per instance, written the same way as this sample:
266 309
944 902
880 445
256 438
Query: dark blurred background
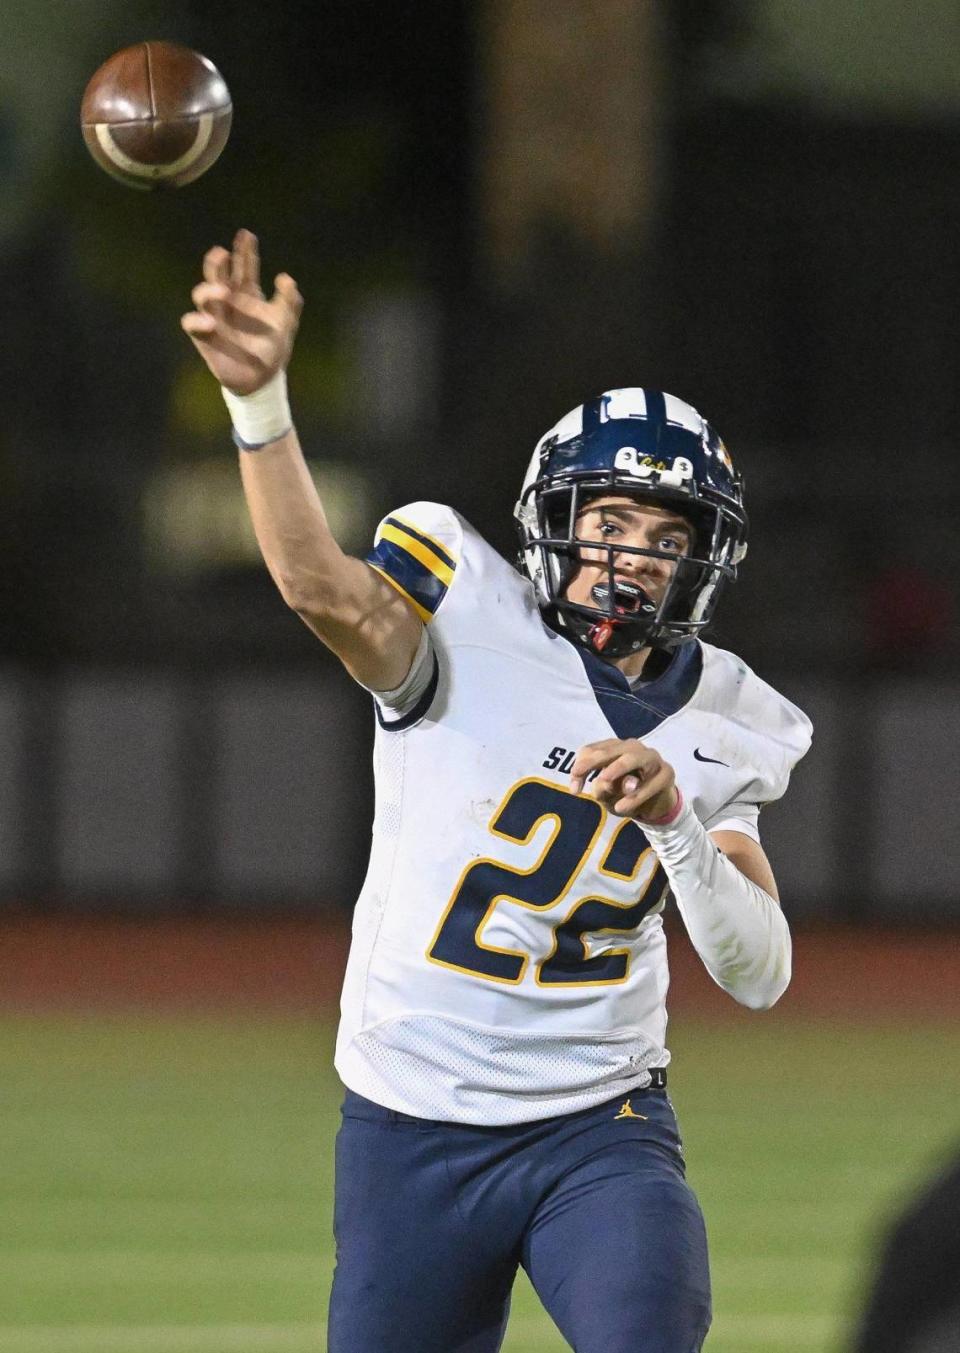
494 210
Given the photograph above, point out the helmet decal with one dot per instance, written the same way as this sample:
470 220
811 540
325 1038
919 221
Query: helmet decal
645 467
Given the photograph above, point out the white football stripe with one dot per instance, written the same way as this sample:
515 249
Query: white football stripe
152 171
570 425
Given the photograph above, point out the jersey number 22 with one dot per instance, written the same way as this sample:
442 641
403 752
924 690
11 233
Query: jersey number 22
576 821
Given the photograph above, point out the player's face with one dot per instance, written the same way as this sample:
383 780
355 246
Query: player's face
618 521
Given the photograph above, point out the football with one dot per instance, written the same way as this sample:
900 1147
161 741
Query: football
156 115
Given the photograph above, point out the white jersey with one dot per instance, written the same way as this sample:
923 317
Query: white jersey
508 959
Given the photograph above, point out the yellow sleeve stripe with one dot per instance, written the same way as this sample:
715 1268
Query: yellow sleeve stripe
420 551
425 615
440 550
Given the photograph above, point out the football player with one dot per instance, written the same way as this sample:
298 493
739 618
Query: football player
557 750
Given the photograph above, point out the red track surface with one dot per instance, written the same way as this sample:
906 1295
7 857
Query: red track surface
295 966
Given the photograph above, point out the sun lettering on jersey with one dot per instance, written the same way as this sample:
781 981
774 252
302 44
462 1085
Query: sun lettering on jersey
561 760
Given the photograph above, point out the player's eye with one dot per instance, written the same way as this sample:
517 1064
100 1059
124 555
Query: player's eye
672 544
609 528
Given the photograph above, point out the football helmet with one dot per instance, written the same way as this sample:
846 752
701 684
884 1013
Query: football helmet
653 447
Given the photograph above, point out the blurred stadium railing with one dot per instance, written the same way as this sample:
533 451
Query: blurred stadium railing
233 790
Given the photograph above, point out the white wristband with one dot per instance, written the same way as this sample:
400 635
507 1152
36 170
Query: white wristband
262 417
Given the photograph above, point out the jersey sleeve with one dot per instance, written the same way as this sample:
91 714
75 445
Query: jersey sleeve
406 703
736 817
467 595
417 549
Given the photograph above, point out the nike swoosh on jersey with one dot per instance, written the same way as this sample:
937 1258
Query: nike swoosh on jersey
698 756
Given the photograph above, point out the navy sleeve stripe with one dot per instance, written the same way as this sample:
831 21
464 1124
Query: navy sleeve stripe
414 715
419 583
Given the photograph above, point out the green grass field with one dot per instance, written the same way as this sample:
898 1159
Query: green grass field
165 1183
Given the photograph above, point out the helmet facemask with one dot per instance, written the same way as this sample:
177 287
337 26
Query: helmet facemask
623 618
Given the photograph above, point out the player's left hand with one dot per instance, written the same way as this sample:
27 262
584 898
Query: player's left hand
634 780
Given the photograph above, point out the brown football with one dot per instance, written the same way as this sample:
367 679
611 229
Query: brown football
156 115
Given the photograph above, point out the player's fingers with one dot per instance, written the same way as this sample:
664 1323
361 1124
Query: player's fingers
245 313
238 262
590 758
198 325
632 782
604 791
605 794
210 296
253 259
245 263
254 307
216 265
635 799
287 293
636 759
235 309
594 752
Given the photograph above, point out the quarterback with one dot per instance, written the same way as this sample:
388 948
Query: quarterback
558 751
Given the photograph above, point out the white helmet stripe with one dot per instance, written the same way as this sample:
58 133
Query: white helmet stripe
683 414
629 403
570 425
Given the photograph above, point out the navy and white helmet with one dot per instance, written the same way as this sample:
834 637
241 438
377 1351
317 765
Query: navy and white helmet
653 447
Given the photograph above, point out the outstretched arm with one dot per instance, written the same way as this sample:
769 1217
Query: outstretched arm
246 341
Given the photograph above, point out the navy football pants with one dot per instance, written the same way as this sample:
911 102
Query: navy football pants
432 1220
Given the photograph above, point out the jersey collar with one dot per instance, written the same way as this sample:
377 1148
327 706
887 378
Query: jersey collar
634 713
